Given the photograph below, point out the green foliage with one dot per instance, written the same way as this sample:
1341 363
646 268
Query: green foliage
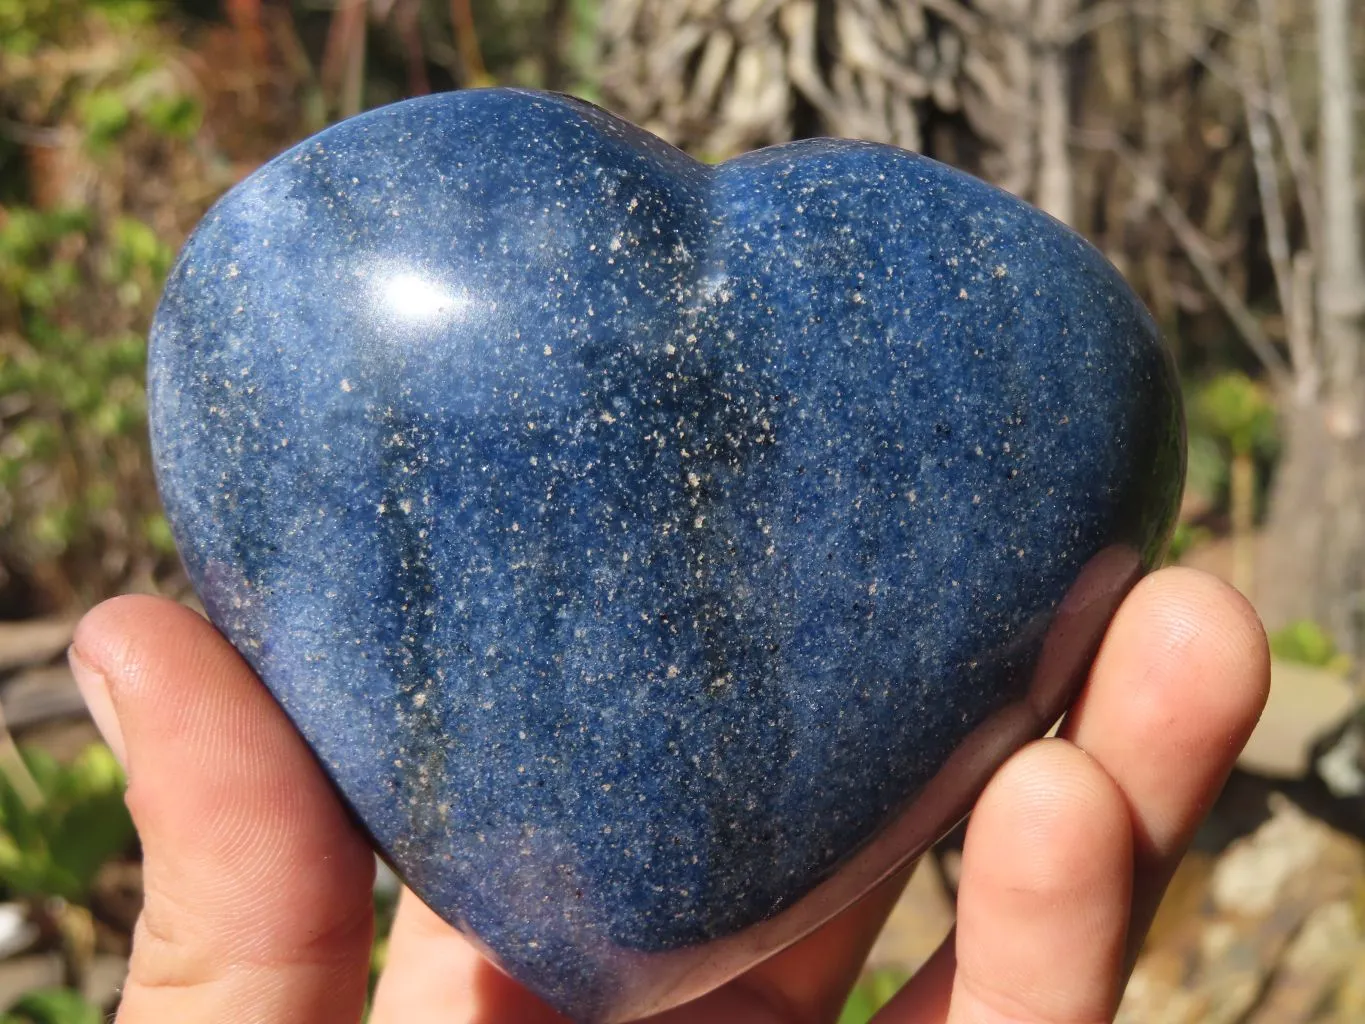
1238 413
147 98
130 82
25 25
1232 419
1206 472
176 116
385 907
158 532
872 992
55 845
1307 643
1184 537
581 51
104 115
52 1006
35 263
82 393
81 268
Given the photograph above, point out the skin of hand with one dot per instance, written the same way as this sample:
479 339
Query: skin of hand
258 905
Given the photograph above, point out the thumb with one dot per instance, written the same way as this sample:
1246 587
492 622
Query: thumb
258 904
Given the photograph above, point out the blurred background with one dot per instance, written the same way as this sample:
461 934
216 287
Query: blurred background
1209 147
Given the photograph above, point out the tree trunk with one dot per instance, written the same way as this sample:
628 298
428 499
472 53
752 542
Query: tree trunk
1313 564
1019 146
1341 299
1309 565
1056 190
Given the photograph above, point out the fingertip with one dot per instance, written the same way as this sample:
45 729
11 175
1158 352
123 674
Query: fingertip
108 631
1184 611
126 638
1061 816
1177 688
1045 892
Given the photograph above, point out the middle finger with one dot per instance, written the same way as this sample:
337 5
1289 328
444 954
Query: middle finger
1175 691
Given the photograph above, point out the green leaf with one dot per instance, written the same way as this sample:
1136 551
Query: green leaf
91 823
53 1006
159 536
53 529
129 13
104 116
1239 413
21 234
136 240
95 774
1308 643
135 249
873 991
177 117
57 848
1183 538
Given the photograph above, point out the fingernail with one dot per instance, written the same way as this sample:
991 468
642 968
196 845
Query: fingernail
95 692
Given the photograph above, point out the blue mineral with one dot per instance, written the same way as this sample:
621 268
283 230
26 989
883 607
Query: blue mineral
656 555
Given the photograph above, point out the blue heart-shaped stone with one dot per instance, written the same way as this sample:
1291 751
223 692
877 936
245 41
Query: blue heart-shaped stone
655 555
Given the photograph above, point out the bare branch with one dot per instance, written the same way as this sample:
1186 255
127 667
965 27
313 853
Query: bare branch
467 42
1198 250
1276 232
956 14
1341 270
1054 183
1095 17
1287 125
37 135
1300 324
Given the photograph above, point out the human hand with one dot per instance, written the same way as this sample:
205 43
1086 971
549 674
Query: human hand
258 905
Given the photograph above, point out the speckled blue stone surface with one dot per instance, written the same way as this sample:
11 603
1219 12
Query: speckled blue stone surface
636 541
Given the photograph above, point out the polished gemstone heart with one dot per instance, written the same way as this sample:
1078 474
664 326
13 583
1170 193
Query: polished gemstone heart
656 555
